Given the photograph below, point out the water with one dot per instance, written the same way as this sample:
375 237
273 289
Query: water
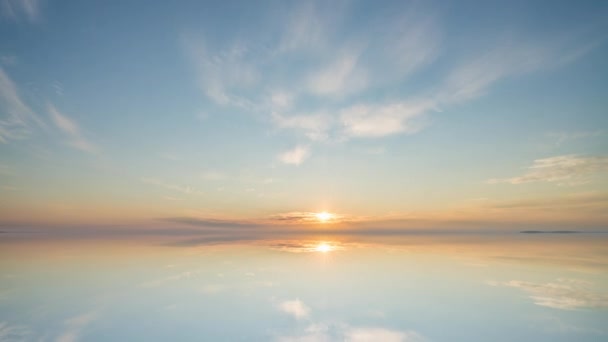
507 287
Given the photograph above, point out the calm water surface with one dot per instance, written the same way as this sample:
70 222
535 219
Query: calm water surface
514 287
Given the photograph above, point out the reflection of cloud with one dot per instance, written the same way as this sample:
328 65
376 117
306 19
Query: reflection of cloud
296 308
10 333
175 277
316 332
567 169
298 246
380 334
211 223
564 294
555 325
210 289
302 217
75 325
343 332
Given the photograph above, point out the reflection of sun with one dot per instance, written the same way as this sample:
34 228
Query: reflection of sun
324 216
323 247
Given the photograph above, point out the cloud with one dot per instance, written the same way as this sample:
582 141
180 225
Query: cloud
367 121
71 130
339 78
75 326
563 137
223 73
301 246
213 176
342 332
577 201
15 124
381 334
302 217
295 308
314 126
565 170
186 189
18 9
212 223
10 333
563 294
308 27
295 156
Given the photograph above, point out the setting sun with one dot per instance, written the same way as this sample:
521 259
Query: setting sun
324 216
324 248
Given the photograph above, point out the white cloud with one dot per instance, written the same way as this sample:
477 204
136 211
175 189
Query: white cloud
15 124
380 334
563 294
75 326
343 332
566 169
295 308
339 78
377 121
17 9
281 100
314 126
71 130
295 156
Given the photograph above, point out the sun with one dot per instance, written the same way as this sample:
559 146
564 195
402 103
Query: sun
323 248
324 216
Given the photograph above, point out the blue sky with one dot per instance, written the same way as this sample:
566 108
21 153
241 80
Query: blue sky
127 112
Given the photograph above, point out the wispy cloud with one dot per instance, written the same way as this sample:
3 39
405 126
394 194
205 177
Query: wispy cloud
75 327
339 78
223 73
563 137
295 308
21 9
382 120
564 170
9 332
308 27
314 126
577 201
563 294
295 156
18 116
211 175
71 130
186 189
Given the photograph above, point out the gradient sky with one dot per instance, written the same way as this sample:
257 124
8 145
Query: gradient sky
423 114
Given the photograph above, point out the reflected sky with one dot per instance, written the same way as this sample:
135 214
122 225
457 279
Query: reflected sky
539 287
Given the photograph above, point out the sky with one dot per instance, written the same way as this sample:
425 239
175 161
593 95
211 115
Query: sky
391 114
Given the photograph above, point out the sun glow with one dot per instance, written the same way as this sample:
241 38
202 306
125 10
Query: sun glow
324 216
323 248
